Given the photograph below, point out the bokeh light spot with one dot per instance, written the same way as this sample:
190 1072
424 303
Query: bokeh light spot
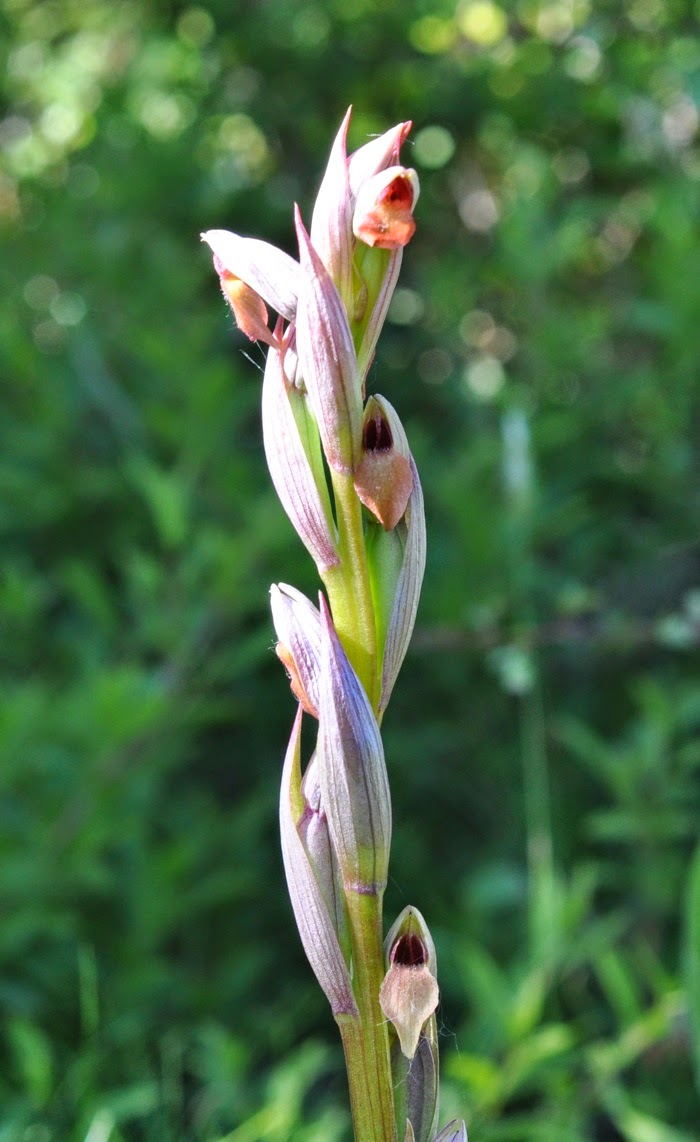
434 366
680 122
476 327
478 210
485 377
407 307
68 309
584 60
433 147
195 26
165 115
311 27
483 22
40 291
83 180
555 22
49 337
571 165
432 36
60 123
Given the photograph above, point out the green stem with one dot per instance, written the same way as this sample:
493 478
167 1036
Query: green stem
349 590
366 1044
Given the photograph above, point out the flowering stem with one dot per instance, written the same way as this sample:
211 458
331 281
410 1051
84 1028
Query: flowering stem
336 819
366 1044
349 591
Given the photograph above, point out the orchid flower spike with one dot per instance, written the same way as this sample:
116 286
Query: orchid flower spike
344 473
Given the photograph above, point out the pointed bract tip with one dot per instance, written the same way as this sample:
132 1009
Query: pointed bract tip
326 616
306 250
455 1131
299 222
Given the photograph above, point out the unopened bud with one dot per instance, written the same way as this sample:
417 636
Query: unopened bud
409 992
384 208
383 478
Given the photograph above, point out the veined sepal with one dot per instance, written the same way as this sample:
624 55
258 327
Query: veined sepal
328 360
405 607
376 155
293 453
315 836
353 777
314 921
416 1083
331 222
375 278
385 555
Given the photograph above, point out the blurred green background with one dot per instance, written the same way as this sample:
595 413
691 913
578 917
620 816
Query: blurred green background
544 353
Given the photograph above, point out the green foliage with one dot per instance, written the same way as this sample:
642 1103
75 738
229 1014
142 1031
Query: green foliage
543 736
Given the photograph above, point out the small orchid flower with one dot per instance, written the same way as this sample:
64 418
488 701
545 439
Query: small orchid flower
408 998
409 993
383 478
383 214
